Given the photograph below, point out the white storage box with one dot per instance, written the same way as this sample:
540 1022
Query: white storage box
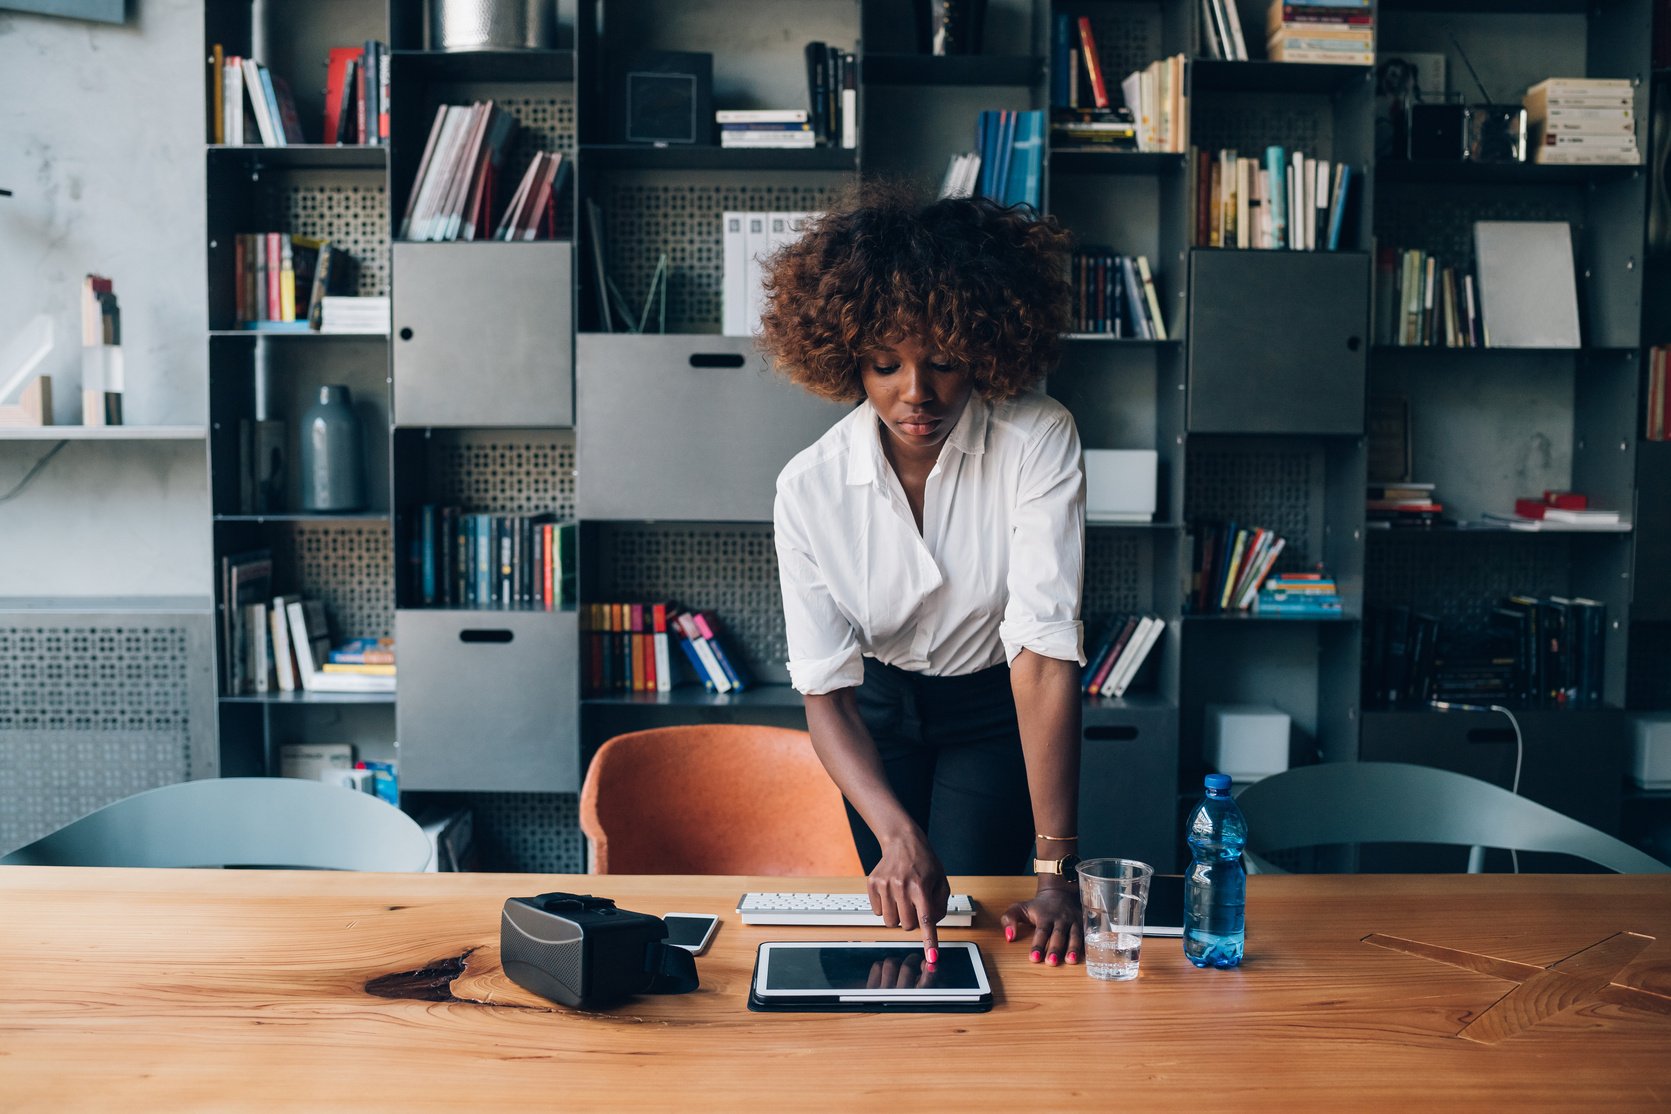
1246 741
1652 767
1120 485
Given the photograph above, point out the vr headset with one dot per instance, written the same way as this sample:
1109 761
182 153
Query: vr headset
582 951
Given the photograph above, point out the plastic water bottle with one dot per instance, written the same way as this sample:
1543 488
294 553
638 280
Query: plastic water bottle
1215 890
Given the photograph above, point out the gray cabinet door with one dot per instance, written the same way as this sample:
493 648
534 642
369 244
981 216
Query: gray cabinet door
483 334
686 427
1277 341
488 701
1128 786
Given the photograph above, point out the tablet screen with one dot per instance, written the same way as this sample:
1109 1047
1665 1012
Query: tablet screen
813 968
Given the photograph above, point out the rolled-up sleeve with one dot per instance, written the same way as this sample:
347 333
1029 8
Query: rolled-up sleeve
1047 549
824 652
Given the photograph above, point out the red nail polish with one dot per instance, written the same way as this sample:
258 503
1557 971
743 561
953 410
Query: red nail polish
1053 960
1037 955
1009 933
1073 957
934 955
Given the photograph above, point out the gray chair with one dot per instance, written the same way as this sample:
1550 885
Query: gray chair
245 821
1394 802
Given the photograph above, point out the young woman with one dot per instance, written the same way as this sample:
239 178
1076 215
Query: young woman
931 548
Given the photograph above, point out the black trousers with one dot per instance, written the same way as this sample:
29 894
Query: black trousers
951 747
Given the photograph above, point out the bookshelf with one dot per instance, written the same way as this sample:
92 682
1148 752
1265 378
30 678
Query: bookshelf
1254 404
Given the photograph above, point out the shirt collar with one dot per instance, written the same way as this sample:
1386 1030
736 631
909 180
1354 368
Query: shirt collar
864 446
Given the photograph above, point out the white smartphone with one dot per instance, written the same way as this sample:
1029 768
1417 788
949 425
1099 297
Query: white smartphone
690 931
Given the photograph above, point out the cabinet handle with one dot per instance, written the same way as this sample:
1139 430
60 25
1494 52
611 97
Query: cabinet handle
1354 343
716 359
487 634
406 334
1118 733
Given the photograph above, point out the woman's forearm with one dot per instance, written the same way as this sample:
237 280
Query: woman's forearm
1048 708
843 744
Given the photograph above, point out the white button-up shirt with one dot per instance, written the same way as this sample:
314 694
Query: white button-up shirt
997 568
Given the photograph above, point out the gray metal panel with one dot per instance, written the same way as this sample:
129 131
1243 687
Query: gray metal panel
490 334
1278 341
1128 781
483 715
662 439
96 705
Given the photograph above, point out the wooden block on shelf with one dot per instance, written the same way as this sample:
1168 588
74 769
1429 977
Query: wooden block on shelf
34 405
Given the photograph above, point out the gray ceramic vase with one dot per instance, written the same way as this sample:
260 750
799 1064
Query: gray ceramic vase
333 454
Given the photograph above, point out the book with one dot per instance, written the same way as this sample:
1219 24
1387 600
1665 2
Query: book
1093 64
311 641
246 578
313 761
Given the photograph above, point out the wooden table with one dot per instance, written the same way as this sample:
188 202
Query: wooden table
133 989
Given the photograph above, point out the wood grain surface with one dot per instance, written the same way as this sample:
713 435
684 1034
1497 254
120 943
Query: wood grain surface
218 990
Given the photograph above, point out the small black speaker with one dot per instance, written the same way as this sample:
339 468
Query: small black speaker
664 97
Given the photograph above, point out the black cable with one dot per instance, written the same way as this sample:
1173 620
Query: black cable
17 489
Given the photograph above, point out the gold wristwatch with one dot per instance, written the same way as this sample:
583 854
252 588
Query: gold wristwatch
1067 867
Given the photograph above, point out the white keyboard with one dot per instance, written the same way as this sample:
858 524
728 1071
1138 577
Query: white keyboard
835 909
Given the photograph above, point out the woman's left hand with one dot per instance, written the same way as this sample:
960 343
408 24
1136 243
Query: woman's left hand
1054 917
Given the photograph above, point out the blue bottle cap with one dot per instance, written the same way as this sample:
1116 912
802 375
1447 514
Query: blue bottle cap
1217 781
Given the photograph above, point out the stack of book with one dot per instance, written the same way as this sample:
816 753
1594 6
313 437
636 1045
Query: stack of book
357 94
1155 96
365 314
1589 121
453 192
832 79
639 647
1114 295
1092 129
1298 595
1285 200
1155 116
1221 31
1120 655
490 561
281 281
1335 31
788 128
1231 562
1423 302
1559 646
532 212
1400 656
1403 504
746 240
1659 399
1010 147
1559 510
243 92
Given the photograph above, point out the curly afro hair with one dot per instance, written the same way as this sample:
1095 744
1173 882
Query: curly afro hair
984 284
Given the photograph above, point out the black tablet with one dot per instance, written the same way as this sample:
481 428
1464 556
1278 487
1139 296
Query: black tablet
814 975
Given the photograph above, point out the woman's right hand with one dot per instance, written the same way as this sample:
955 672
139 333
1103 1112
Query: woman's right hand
908 888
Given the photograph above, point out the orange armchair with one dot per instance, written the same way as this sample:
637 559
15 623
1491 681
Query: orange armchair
714 799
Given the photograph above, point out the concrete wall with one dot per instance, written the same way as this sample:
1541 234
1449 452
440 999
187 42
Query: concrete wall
101 144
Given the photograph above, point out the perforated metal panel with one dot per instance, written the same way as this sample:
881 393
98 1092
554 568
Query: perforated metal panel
1278 487
97 708
1117 575
537 833
1458 579
1127 35
504 473
1250 122
347 567
646 214
350 210
1440 219
728 571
